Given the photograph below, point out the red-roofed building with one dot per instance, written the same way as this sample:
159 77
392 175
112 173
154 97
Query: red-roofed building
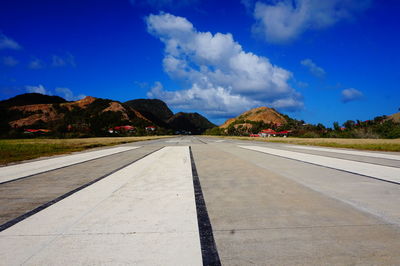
119 129
150 128
284 133
267 133
37 131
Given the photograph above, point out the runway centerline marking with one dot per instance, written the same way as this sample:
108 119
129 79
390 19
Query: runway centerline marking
385 173
144 213
9 173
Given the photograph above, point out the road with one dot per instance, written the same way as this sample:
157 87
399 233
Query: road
193 200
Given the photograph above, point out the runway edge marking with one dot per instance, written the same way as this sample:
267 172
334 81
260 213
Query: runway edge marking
209 250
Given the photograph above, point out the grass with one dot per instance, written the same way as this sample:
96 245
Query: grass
359 144
14 150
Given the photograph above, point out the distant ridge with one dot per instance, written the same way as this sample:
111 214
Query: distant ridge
193 122
153 109
31 98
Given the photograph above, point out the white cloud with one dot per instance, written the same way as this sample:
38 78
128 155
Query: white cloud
313 68
10 61
172 4
218 76
36 64
67 94
37 89
61 61
351 94
8 43
284 20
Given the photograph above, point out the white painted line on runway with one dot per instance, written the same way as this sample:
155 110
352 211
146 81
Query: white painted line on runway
387 173
12 172
221 140
144 214
360 153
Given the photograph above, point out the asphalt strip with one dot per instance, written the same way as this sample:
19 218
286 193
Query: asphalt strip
47 204
143 214
384 173
18 171
209 250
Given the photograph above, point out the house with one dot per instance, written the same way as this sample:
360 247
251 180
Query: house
267 133
284 133
150 128
254 135
119 129
36 131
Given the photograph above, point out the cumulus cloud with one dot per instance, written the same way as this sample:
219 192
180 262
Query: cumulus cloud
172 4
313 68
67 94
36 64
284 20
37 89
61 61
8 43
351 94
217 75
10 61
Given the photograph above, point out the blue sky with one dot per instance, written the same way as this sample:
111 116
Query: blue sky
320 61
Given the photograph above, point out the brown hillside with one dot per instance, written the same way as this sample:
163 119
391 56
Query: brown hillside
265 114
47 112
395 117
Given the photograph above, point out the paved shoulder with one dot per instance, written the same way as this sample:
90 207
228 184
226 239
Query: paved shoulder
143 214
351 152
9 173
387 173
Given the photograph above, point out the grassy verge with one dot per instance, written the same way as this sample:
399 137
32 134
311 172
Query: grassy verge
359 144
13 150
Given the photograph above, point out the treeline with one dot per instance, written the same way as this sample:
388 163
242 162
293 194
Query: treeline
379 127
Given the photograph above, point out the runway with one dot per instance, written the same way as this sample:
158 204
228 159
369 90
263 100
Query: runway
193 200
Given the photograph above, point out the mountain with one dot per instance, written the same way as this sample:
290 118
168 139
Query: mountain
31 98
153 109
261 114
158 112
193 122
88 112
93 116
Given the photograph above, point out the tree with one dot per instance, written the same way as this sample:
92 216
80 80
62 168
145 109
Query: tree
349 124
336 126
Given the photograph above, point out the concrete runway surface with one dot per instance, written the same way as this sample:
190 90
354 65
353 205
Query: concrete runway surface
194 200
